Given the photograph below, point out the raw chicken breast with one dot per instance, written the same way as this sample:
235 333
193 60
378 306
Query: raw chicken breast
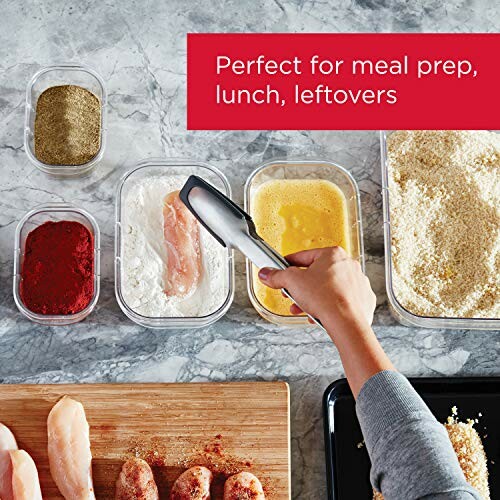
7 443
70 458
182 239
25 482
136 481
193 484
18 474
7 439
243 486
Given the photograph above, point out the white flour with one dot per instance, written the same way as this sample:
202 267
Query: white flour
145 255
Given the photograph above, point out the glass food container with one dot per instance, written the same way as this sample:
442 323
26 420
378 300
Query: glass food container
174 167
404 316
63 74
36 217
305 169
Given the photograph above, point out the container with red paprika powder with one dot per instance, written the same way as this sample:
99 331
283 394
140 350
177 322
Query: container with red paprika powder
56 264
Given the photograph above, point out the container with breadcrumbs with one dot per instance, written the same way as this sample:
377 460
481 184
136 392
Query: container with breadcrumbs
65 120
441 197
300 205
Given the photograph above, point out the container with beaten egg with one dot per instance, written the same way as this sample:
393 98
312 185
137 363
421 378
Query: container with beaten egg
299 205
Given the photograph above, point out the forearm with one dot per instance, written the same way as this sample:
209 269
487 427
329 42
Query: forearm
411 454
361 353
410 451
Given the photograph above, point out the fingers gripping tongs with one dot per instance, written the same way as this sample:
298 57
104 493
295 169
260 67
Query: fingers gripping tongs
230 225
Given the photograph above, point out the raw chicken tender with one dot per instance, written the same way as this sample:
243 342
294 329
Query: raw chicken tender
182 239
193 484
70 457
136 481
25 482
7 439
243 486
18 474
7 443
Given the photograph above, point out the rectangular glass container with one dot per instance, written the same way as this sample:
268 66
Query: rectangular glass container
404 316
36 217
51 76
156 166
305 169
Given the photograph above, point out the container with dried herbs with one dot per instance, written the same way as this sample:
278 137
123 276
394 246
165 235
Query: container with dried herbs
67 126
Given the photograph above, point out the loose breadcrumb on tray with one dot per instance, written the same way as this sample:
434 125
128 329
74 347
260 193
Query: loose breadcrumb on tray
444 201
471 456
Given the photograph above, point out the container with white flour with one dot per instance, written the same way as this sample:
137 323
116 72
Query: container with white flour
141 253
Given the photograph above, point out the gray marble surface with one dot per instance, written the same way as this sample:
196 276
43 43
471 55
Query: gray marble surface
139 49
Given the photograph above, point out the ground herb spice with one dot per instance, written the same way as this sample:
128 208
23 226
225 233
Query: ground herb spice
57 275
67 126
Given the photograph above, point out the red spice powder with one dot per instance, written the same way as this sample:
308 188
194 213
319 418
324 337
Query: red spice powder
58 269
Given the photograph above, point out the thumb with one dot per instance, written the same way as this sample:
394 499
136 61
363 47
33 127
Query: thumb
273 278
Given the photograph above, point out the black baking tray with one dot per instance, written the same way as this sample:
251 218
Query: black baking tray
347 462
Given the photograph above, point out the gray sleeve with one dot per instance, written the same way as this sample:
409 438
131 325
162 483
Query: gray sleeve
411 454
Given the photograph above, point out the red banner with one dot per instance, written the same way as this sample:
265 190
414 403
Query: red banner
342 81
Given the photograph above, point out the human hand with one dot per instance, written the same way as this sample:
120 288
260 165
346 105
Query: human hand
332 287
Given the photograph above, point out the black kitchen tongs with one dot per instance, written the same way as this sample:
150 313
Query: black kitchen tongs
231 226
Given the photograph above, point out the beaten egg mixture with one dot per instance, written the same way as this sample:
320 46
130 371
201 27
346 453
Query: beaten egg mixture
293 215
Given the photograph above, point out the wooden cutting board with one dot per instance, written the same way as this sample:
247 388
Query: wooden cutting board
226 426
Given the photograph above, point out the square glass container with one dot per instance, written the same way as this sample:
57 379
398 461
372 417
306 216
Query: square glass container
36 217
174 167
402 314
51 76
305 169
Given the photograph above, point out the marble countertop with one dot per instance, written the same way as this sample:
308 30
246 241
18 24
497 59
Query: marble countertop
139 48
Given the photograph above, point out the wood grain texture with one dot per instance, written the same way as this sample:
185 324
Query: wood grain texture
226 426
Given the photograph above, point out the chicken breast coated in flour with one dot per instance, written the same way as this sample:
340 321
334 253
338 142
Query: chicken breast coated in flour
69 452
